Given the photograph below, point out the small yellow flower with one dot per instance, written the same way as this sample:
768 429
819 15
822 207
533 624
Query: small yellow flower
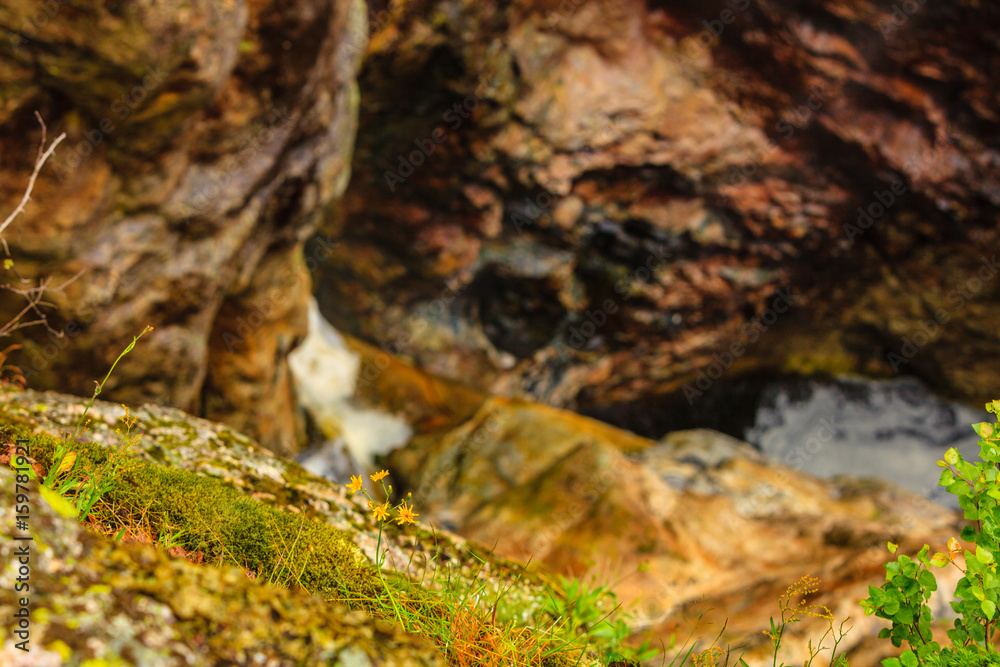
355 484
406 514
379 475
381 512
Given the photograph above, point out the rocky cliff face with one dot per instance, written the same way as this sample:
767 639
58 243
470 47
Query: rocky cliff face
589 201
203 143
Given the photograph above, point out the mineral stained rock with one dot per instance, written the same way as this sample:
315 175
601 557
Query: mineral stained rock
589 201
697 522
203 143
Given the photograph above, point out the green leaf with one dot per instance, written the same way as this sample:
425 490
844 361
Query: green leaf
984 556
952 456
892 547
927 579
909 659
989 608
58 503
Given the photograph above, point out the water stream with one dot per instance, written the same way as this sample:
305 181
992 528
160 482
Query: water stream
894 429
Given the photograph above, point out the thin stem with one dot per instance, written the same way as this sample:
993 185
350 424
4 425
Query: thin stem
39 162
100 385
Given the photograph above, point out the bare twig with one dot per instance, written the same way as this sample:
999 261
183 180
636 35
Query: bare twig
43 155
33 296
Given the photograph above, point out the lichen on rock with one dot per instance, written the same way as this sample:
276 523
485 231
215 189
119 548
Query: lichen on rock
283 551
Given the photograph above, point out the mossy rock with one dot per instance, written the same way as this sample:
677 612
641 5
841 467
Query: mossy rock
96 600
256 518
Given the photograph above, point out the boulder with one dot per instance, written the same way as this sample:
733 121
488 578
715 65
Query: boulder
698 524
235 513
203 144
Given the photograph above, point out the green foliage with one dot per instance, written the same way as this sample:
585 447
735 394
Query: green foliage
902 599
87 487
965 656
593 612
206 514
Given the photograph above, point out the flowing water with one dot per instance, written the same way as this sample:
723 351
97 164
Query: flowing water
894 429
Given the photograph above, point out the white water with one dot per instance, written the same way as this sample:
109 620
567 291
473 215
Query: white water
325 372
896 430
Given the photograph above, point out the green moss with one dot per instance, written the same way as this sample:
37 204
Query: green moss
100 602
225 524
214 491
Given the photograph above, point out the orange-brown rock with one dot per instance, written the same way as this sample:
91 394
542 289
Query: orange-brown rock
204 140
585 201
697 523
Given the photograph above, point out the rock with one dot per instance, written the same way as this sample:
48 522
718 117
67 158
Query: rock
201 150
697 522
94 599
225 498
697 195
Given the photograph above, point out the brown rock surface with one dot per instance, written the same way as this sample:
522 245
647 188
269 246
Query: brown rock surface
522 165
698 523
203 141
695 523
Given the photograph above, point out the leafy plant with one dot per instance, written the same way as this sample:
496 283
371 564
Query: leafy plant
902 599
793 613
588 609
67 478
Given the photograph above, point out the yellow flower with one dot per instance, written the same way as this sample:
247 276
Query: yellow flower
355 484
381 512
379 475
406 514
